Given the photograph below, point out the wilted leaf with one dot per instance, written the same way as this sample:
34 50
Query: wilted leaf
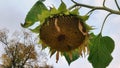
57 56
32 15
100 51
52 51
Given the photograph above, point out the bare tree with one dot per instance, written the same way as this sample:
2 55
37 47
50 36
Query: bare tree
20 50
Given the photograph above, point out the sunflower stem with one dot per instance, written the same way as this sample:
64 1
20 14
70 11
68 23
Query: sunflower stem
90 12
104 22
104 3
117 5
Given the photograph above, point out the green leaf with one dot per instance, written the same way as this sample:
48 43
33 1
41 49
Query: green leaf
75 11
100 51
75 56
32 15
62 7
109 43
43 16
36 30
84 18
54 11
88 28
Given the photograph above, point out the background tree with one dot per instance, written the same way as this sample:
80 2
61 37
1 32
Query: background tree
20 51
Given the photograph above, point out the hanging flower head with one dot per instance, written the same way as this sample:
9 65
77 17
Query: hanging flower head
62 30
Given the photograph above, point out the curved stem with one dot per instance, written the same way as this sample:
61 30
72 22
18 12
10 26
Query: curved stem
90 12
104 22
104 3
117 5
96 8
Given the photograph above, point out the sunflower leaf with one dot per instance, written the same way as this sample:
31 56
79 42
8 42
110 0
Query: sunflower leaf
43 16
88 27
32 15
62 7
84 18
54 11
75 56
100 51
75 11
36 30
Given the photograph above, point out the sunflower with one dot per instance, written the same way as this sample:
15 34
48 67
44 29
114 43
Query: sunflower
63 31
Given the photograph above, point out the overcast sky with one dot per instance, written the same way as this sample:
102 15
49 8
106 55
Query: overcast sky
13 12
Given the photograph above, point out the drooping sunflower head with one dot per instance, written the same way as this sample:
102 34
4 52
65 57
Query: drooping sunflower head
62 30
63 33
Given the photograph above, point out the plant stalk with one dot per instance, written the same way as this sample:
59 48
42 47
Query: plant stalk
96 8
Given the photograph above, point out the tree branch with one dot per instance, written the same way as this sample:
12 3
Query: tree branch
27 56
95 8
117 5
